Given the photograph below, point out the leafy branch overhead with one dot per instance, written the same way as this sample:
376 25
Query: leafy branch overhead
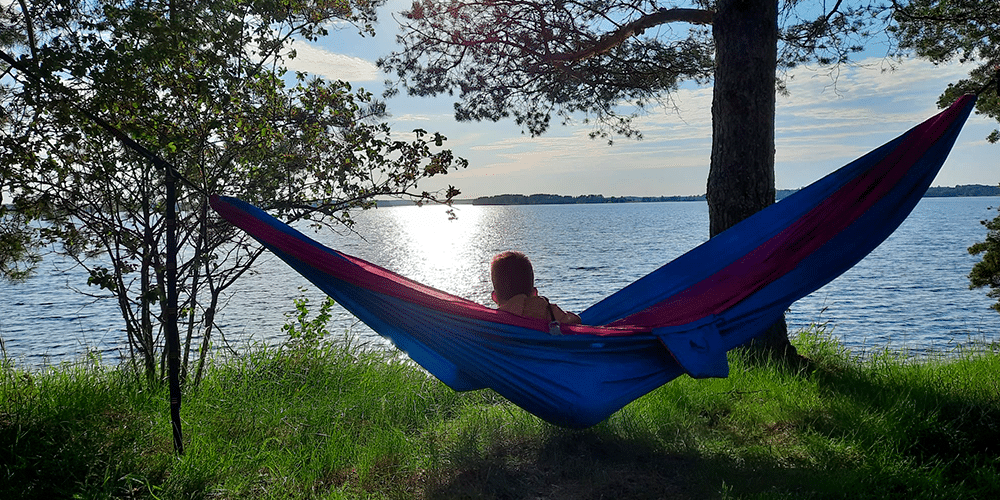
531 59
964 30
203 84
535 59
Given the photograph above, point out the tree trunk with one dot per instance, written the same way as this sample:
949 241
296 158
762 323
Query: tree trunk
741 176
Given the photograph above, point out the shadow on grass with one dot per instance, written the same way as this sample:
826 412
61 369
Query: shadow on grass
941 420
566 465
892 431
73 452
595 465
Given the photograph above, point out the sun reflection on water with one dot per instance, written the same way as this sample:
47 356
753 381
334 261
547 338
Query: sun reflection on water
442 250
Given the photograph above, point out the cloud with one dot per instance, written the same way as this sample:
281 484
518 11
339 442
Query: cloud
827 121
317 61
411 117
873 83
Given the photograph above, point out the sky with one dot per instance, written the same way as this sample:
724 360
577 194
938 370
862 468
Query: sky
824 123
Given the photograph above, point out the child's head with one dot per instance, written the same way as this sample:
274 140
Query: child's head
511 274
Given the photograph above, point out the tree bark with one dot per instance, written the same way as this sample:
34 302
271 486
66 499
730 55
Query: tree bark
741 176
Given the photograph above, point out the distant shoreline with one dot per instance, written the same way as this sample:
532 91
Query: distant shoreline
968 190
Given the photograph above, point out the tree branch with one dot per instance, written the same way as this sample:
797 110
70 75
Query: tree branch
977 13
637 27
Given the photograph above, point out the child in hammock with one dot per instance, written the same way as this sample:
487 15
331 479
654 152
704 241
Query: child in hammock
514 290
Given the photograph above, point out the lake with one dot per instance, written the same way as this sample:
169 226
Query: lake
910 293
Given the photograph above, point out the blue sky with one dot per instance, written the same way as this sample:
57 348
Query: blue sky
825 122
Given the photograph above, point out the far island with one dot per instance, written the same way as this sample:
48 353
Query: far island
555 199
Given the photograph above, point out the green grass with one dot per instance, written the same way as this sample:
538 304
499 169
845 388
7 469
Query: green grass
337 421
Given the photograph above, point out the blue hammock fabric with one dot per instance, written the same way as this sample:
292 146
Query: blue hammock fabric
681 318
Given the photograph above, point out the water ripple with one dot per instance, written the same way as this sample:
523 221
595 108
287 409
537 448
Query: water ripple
911 292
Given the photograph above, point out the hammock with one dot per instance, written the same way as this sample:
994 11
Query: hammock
681 318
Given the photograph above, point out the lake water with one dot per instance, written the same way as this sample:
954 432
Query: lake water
910 293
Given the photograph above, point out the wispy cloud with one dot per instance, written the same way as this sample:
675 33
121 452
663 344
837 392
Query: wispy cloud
332 65
826 121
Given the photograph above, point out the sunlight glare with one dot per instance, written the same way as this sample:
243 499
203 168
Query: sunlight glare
443 251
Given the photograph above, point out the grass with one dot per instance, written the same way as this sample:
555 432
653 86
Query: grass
337 421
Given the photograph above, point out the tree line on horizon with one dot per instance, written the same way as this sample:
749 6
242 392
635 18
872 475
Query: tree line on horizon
966 190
